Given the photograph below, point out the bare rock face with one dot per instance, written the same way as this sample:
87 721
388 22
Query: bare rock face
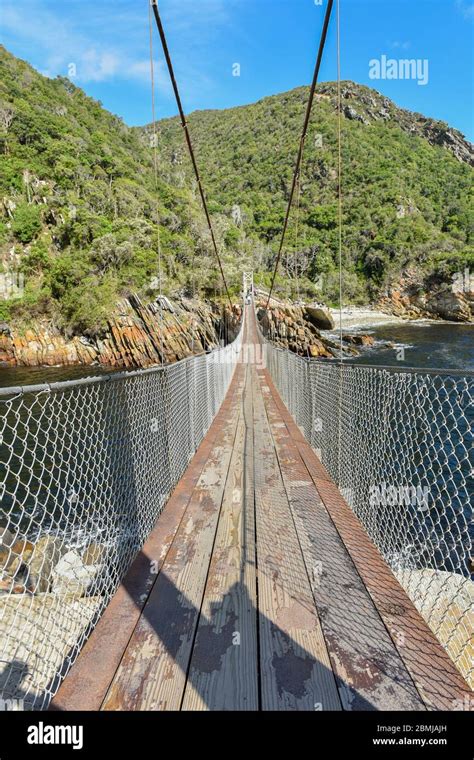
412 298
139 335
46 554
288 326
319 317
453 306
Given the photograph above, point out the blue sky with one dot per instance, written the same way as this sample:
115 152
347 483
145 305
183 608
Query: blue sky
274 41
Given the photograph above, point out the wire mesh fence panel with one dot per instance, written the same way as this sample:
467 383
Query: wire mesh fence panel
399 446
86 467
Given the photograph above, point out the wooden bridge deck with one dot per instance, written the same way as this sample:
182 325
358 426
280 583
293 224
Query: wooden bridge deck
259 589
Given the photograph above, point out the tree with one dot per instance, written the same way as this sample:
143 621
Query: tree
7 114
26 223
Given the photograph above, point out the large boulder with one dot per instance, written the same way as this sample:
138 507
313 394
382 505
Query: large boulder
359 340
318 349
15 553
319 317
451 306
72 576
45 556
93 554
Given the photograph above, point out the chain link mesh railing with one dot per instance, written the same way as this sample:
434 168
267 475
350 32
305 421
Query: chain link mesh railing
86 467
398 443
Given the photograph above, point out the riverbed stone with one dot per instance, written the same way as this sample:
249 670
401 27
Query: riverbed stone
359 340
72 576
93 554
319 317
46 554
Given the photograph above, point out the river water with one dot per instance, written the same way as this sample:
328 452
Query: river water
15 376
420 344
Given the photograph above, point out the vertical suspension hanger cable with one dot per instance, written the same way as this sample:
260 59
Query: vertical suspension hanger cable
155 172
298 199
184 124
309 106
339 195
339 160
193 295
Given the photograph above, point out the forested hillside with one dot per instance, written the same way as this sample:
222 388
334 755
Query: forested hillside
80 213
407 185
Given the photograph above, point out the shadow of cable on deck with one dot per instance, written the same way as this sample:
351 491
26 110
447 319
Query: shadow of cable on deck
219 663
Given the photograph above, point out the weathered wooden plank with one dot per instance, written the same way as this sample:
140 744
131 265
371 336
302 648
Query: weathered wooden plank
152 673
90 677
223 673
438 681
440 684
295 668
370 673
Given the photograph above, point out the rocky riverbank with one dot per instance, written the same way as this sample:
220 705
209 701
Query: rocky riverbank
48 565
415 297
49 593
299 328
138 335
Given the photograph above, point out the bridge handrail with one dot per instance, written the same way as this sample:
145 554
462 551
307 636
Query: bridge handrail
393 369
347 362
397 442
108 377
86 467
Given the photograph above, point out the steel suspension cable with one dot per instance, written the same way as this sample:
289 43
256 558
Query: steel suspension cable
155 172
339 168
302 140
339 201
184 124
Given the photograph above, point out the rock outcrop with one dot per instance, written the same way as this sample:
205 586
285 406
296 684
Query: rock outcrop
359 340
414 298
363 104
290 327
320 317
140 335
47 552
48 565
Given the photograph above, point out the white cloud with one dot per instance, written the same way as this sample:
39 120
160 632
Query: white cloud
97 66
106 47
466 8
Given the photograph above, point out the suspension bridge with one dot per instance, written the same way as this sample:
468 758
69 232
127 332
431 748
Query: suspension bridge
204 536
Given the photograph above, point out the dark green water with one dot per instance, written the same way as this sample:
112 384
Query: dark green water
13 376
428 346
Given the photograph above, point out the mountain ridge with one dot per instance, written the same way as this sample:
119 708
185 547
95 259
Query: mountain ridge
80 212
434 128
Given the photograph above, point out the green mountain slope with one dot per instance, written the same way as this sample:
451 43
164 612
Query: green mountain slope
79 211
407 185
